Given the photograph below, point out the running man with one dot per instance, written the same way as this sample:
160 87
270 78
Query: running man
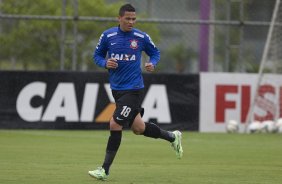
124 45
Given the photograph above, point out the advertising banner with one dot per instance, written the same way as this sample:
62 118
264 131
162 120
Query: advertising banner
229 96
83 100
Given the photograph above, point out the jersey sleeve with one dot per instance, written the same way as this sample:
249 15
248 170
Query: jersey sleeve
101 52
151 50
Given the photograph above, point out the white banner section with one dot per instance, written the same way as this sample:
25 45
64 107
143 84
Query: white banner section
229 96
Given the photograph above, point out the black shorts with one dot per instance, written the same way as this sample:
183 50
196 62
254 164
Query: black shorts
128 105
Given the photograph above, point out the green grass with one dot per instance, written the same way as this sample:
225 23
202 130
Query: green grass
64 157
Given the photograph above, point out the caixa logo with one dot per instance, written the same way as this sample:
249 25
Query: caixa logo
64 103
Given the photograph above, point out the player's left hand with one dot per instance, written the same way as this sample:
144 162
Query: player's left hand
149 67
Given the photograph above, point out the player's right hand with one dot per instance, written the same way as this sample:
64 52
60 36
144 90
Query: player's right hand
149 67
111 63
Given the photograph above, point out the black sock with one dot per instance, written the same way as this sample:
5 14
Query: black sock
154 131
111 150
166 135
109 158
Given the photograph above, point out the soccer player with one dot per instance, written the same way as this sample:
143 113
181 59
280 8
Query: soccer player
124 45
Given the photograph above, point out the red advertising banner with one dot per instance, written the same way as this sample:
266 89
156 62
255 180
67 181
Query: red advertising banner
229 96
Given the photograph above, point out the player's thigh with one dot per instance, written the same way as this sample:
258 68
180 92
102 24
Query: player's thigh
128 105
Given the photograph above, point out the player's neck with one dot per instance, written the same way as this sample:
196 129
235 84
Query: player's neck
122 30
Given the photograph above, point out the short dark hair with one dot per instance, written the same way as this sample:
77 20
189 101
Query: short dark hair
126 8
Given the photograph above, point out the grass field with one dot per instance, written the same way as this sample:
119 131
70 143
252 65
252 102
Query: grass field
64 157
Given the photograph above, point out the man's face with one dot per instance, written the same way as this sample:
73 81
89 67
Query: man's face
127 21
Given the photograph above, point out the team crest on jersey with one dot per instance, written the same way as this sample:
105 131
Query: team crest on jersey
133 44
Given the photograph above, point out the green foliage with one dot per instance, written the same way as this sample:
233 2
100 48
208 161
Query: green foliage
225 55
35 44
181 56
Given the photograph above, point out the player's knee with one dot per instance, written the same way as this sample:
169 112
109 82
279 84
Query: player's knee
114 125
137 130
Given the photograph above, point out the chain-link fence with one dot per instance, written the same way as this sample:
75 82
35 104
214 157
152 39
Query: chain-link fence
193 35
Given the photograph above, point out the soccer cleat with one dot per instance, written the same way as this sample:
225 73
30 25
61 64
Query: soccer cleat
177 144
99 174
